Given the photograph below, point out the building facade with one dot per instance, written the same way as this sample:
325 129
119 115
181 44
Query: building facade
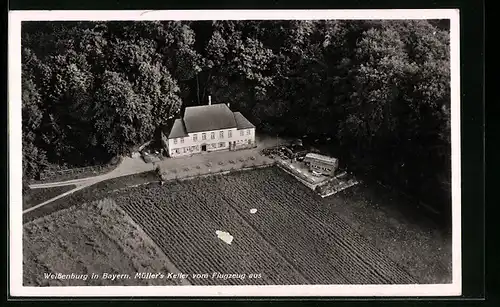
321 164
208 128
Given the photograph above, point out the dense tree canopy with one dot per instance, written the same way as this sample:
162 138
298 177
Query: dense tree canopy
378 90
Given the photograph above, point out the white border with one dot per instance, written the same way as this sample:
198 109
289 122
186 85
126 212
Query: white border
15 157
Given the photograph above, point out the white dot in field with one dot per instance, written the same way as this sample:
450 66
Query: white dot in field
253 211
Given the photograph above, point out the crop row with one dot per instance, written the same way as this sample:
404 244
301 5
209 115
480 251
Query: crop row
343 237
287 241
182 220
287 232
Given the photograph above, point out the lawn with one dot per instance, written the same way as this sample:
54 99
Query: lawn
34 197
91 238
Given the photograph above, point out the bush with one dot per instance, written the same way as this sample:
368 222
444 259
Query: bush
186 169
231 161
209 164
221 163
198 167
115 160
252 158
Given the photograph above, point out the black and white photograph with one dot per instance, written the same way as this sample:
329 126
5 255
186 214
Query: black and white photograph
311 153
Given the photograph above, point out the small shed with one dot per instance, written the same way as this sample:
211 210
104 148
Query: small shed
322 164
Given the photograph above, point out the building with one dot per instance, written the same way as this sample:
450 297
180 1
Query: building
321 164
207 128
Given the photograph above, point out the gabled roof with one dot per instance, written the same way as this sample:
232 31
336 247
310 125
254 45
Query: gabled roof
208 117
178 130
242 122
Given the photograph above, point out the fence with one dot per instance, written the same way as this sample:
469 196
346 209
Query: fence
76 173
294 171
336 185
199 171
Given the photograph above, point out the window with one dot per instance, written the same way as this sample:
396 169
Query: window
175 141
229 134
248 132
182 140
197 147
195 137
221 144
214 145
212 135
221 134
203 136
177 150
249 142
241 133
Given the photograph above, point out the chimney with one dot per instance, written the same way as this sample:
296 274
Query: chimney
209 100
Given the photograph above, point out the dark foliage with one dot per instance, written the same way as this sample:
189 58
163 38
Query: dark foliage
379 91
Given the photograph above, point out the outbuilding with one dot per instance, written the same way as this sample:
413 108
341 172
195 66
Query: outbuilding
321 164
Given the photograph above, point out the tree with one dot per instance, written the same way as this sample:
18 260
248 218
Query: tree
33 158
121 117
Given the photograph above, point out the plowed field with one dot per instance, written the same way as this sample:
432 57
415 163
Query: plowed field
284 242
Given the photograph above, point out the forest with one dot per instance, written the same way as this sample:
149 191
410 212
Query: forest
377 90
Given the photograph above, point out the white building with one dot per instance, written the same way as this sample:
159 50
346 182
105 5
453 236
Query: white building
322 164
208 128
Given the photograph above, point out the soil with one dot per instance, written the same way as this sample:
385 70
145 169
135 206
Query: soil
93 238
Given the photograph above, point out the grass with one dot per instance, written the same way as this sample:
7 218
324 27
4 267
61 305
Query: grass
34 197
94 192
91 238
389 221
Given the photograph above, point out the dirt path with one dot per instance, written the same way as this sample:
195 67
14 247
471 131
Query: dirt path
79 187
131 166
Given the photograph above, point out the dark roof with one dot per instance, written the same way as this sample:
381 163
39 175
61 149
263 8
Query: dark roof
242 122
208 117
178 130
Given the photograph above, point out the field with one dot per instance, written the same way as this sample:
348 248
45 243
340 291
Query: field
92 238
94 192
406 234
34 197
294 237
280 242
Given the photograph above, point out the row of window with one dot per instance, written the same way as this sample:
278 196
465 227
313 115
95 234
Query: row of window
197 148
320 167
212 135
